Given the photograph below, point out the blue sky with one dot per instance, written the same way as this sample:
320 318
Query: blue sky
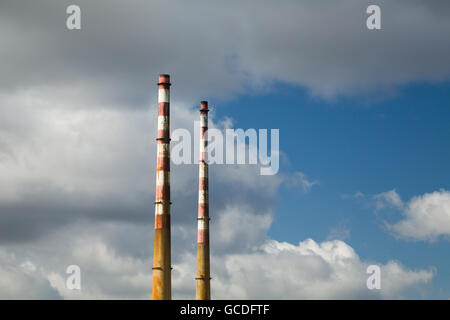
361 144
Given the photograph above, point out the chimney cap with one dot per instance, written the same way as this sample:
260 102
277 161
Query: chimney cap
164 79
204 106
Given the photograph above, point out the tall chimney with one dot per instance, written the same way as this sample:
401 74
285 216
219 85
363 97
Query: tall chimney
162 285
203 288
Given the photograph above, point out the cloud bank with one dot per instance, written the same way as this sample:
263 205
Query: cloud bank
77 129
222 49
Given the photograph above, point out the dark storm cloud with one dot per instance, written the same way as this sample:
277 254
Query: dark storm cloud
23 223
217 49
41 214
119 51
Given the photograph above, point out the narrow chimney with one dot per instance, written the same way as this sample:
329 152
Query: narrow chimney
162 285
203 288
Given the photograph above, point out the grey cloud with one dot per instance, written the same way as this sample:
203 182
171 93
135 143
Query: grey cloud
20 278
217 50
77 164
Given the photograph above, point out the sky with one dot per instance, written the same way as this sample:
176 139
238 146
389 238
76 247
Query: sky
363 117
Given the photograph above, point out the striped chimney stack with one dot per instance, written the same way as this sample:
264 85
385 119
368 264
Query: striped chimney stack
203 288
161 289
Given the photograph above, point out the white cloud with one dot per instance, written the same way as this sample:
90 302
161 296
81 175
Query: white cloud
299 179
426 217
115 260
356 195
276 270
339 232
309 270
388 199
105 274
240 228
